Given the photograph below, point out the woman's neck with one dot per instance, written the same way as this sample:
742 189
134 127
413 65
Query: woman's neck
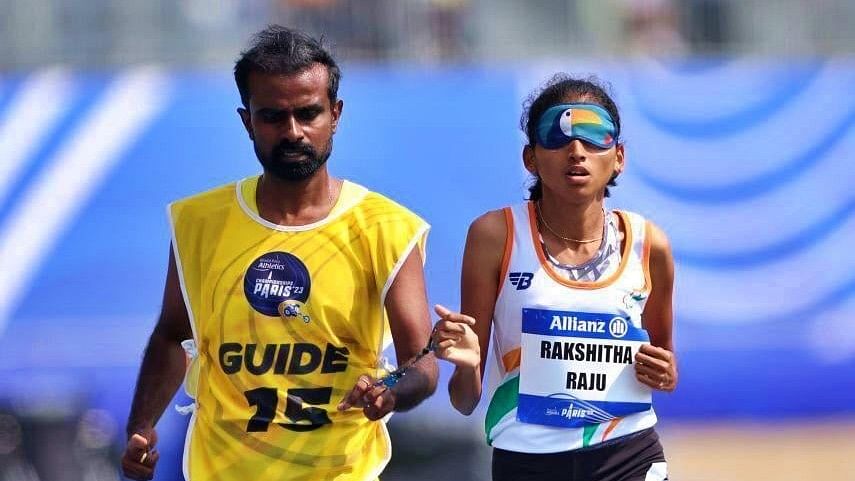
572 221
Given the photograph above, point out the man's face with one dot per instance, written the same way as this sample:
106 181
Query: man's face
291 121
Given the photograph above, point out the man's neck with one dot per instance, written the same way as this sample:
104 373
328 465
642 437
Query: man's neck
296 203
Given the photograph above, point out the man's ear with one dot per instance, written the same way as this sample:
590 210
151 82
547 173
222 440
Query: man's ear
336 109
246 120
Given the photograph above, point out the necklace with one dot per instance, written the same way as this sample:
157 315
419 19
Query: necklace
566 239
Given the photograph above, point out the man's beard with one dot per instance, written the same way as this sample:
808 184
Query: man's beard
284 168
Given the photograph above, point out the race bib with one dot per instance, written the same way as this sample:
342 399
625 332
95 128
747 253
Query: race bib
577 368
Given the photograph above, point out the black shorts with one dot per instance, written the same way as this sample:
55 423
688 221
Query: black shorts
628 458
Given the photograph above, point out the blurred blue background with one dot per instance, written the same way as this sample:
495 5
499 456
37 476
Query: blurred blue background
745 161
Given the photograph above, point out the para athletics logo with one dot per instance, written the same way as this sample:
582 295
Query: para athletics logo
521 280
277 283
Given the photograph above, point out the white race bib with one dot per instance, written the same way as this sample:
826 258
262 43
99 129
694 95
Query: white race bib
576 368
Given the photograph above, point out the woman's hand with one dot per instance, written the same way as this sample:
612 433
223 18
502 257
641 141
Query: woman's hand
656 367
455 340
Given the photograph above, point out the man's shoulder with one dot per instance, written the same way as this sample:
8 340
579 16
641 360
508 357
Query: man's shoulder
382 206
221 192
210 200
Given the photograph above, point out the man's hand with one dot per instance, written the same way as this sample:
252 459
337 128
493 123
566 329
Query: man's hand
140 455
375 401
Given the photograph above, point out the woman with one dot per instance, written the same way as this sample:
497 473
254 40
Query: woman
570 293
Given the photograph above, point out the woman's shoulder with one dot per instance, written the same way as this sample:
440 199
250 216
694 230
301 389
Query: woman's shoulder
486 242
491 227
653 234
659 247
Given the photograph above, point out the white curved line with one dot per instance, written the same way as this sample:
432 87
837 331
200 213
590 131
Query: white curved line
43 100
79 167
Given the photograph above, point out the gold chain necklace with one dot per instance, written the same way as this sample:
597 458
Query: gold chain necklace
566 239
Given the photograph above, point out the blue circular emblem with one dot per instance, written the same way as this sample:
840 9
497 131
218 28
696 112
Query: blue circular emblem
274 278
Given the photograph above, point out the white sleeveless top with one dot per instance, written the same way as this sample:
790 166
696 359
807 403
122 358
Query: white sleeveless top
603 323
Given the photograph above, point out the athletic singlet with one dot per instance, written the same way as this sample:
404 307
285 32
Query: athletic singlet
285 319
603 263
529 283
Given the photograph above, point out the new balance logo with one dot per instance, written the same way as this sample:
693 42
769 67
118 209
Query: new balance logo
522 280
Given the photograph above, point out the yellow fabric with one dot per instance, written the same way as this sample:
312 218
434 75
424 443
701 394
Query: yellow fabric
297 366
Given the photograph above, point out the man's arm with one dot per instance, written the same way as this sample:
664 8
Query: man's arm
409 321
160 375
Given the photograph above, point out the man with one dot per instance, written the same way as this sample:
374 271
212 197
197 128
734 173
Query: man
290 285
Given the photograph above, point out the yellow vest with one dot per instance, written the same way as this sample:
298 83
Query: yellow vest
285 319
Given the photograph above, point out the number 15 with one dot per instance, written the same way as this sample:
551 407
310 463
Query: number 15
266 399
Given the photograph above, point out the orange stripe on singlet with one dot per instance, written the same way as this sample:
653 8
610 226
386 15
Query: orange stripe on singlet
612 425
511 360
509 244
547 267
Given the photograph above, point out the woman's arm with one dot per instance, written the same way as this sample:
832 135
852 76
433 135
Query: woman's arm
656 365
464 338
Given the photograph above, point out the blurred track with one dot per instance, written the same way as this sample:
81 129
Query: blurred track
793 451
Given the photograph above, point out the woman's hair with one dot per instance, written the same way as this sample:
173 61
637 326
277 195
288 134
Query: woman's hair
561 88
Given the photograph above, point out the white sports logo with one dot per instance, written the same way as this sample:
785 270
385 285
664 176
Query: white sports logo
617 327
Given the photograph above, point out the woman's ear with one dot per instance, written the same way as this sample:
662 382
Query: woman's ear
529 160
620 160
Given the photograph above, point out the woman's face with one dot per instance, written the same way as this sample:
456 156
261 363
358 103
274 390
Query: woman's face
576 171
